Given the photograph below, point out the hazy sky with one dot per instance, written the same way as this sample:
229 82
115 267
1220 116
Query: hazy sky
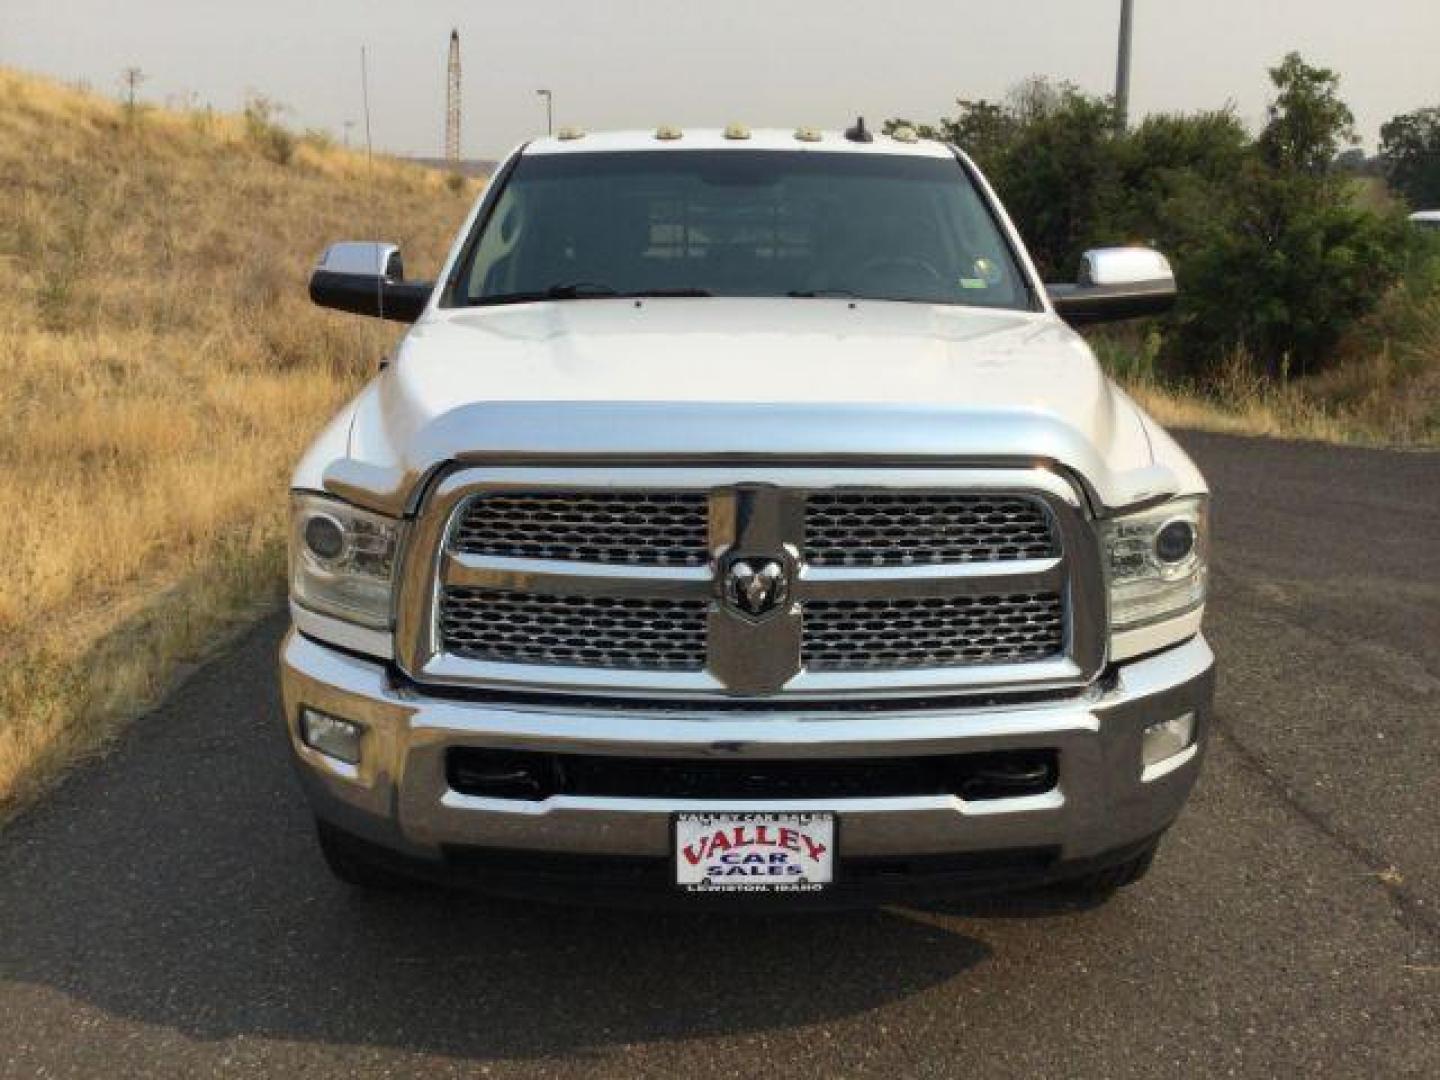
632 63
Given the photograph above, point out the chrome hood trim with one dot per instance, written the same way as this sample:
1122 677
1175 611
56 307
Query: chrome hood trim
639 433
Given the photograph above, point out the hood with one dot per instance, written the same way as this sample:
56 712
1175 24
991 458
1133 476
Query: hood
740 378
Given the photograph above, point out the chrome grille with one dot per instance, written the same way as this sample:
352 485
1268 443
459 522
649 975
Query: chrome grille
870 635
900 580
892 528
580 631
635 528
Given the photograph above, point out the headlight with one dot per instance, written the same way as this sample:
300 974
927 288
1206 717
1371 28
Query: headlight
342 559
1155 562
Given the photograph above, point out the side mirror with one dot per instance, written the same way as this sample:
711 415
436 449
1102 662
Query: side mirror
366 277
1116 283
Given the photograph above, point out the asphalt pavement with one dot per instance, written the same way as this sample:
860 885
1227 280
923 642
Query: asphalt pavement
165 913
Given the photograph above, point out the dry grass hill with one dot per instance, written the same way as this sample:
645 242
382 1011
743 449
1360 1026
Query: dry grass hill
162 368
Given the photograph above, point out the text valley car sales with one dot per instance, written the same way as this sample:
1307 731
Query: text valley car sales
754 852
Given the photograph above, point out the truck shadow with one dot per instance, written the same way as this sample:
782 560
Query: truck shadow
177 884
214 953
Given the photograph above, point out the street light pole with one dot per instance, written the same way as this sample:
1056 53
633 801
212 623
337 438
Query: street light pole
549 111
1122 69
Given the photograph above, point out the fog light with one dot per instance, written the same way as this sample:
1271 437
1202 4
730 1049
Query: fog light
333 737
1164 740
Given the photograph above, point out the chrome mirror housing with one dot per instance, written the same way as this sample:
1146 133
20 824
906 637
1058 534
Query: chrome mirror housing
367 277
369 258
1116 283
1125 266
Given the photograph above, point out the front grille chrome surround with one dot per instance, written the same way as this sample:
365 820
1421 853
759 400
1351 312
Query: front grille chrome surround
1024 616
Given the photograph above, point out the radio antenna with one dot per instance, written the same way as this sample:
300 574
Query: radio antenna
365 100
370 165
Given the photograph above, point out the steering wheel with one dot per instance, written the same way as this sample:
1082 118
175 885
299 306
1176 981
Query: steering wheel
906 264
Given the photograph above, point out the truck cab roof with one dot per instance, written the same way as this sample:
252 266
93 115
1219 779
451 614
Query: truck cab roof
664 139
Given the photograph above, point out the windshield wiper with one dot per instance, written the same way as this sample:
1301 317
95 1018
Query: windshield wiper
578 290
575 290
811 294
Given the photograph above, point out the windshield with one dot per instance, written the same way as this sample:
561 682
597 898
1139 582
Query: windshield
740 223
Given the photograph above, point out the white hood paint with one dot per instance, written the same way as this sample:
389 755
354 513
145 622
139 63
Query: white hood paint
778 377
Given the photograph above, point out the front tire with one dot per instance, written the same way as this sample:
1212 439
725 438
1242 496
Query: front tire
348 863
1101 884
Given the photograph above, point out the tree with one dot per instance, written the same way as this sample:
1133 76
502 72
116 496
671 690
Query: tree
985 129
1296 261
1177 175
1296 264
1037 97
1308 123
1410 155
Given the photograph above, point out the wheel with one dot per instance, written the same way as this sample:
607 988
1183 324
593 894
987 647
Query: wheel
348 862
1102 883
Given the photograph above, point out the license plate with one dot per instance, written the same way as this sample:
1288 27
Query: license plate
765 853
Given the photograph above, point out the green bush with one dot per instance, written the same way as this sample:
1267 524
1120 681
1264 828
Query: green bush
1295 266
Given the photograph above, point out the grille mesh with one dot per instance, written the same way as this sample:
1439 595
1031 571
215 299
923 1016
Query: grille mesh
895 528
870 635
577 631
635 528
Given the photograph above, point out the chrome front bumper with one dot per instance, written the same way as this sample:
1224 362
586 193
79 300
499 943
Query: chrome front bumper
399 798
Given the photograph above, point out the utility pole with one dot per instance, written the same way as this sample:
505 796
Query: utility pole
132 77
549 111
452 103
1122 69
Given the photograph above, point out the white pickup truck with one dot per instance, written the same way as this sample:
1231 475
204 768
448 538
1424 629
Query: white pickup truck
741 521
